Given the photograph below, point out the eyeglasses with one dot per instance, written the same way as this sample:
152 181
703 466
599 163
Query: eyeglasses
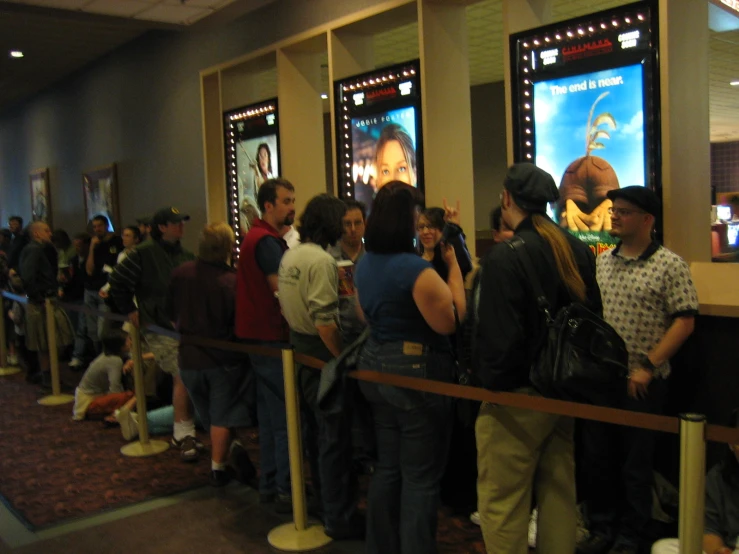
620 212
422 227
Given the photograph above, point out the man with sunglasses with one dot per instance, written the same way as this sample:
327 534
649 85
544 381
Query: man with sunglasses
649 298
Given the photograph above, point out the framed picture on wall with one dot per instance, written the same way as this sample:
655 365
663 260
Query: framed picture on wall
40 195
100 190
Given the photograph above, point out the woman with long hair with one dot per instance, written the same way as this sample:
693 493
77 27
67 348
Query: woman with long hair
410 311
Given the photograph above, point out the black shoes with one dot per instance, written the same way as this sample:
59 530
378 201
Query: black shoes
245 471
352 530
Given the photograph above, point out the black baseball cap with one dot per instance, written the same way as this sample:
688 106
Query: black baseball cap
168 215
144 220
532 187
642 197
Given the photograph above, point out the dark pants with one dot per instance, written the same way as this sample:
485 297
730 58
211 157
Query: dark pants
328 439
618 471
412 431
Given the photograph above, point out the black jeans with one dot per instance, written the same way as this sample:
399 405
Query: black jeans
328 439
412 431
618 471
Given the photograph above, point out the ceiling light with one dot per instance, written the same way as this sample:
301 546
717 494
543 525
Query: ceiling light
734 83
324 96
16 54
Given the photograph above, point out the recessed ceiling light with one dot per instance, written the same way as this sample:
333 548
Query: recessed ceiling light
16 54
325 96
734 83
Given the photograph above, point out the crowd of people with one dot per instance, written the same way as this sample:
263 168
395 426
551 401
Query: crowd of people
392 287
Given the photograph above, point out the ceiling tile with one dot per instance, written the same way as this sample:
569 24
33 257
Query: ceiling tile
181 15
129 8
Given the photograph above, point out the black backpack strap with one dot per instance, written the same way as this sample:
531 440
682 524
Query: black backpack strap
518 245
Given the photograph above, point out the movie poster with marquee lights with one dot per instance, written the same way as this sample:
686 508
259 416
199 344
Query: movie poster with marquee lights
252 157
379 131
587 95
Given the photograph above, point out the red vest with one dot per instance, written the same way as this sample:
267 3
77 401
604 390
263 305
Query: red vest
258 314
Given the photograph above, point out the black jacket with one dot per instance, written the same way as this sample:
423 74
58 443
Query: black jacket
511 328
38 270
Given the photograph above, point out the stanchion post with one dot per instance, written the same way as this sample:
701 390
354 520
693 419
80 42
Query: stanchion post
300 535
692 482
5 370
56 398
144 446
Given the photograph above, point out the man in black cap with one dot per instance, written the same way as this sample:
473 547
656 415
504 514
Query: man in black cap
510 333
649 298
145 275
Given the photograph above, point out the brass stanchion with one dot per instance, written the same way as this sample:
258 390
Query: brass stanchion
300 535
692 482
142 447
56 398
5 369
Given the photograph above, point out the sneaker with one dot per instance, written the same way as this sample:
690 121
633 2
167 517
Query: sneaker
239 460
129 423
189 451
12 360
533 520
475 518
75 362
219 478
582 528
594 544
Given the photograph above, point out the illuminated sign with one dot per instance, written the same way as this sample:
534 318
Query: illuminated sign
405 88
628 40
270 119
587 49
358 99
549 57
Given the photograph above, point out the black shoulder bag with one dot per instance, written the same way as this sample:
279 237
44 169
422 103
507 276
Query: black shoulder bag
583 358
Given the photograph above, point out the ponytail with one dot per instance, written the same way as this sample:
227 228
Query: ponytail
563 255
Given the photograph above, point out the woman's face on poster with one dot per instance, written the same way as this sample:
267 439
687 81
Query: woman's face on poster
392 165
263 158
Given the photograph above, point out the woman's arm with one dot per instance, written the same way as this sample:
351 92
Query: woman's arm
435 301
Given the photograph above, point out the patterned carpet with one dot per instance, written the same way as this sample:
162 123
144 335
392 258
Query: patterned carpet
53 469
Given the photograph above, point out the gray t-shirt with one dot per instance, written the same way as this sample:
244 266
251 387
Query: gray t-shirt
308 287
103 375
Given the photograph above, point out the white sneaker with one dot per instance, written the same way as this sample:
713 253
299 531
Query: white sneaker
475 518
75 363
532 527
129 423
582 529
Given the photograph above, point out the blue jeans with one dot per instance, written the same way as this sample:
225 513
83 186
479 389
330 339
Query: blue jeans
82 344
274 461
95 323
412 430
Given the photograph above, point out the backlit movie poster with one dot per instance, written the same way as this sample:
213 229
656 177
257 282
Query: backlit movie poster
590 136
384 149
257 159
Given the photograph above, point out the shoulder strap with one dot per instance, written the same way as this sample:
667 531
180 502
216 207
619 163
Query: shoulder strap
517 244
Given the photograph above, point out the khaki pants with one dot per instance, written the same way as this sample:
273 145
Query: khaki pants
518 450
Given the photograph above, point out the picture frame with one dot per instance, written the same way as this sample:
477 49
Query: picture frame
100 193
40 195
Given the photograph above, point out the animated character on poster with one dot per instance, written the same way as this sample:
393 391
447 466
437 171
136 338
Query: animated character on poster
606 110
583 205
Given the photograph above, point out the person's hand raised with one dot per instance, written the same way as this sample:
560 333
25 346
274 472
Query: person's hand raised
451 214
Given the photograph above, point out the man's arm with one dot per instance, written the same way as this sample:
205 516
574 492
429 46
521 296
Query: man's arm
269 255
673 339
323 303
90 262
123 282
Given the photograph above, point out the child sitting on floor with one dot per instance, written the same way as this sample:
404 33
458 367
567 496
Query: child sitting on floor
100 392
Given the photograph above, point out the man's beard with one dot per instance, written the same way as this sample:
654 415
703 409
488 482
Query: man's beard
289 220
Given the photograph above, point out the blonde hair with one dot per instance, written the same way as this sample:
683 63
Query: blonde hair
563 255
216 243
